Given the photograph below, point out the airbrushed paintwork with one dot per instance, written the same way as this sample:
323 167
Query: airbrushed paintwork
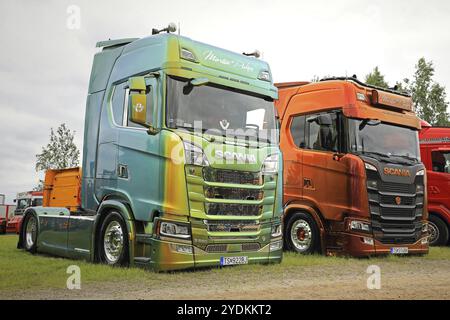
156 184
338 190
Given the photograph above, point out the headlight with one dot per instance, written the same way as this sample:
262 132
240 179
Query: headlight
373 184
276 231
276 245
370 167
359 225
270 165
420 173
177 230
194 155
419 188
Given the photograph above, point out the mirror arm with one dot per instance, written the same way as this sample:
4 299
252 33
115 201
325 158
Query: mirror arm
152 130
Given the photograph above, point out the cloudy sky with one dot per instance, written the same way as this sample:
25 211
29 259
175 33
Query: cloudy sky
45 66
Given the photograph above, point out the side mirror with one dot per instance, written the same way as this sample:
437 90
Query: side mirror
138 108
15 200
138 100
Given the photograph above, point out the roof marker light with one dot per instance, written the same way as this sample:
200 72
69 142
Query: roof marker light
187 55
360 96
264 76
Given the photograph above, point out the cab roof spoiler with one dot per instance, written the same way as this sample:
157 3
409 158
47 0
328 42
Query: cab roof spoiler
352 79
115 43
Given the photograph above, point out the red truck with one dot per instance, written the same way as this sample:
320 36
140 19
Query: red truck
435 154
23 201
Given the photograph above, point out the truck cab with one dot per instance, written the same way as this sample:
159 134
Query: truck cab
181 163
353 180
435 153
23 201
27 199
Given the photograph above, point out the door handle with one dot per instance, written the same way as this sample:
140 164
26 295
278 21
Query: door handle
61 213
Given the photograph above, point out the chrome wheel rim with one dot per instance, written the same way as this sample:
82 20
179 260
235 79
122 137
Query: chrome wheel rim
113 242
30 232
434 232
301 235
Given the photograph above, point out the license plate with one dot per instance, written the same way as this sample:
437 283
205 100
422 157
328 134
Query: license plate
229 261
399 250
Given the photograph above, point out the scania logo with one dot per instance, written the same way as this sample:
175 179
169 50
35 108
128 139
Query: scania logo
398 200
239 157
397 172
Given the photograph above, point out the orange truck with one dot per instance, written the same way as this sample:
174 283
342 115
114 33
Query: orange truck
353 180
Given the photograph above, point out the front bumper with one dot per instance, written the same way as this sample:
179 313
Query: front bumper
353 244
165 257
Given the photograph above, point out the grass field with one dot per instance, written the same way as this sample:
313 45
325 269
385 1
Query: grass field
22 273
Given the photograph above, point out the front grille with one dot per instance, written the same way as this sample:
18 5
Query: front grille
232 226
397 187
233 193
232 176
251 247
221 248
223 209
396 210
391 199
216 248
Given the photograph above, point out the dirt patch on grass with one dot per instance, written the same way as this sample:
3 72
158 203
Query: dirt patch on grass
409 278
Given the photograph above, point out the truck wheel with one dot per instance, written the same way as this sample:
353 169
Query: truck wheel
438 229
29 233
113 241
302 234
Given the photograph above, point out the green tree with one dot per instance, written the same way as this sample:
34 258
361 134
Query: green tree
429 96
61 152
375 78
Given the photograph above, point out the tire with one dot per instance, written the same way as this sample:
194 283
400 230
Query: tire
113 241
30 232
439 233
301 234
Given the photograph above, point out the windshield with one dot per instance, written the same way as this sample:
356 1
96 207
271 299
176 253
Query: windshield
381 139
220 111
22 203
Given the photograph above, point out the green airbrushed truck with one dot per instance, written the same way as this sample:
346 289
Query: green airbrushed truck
181 164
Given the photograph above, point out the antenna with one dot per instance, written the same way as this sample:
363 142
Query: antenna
179 28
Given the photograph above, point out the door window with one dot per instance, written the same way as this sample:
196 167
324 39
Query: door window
117 102
441 161
298 131
322 132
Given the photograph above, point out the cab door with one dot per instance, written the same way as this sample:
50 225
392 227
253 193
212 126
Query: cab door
139 160
326 176
292 144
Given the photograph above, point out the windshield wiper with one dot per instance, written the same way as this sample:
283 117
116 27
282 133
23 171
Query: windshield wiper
380 154
405 157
